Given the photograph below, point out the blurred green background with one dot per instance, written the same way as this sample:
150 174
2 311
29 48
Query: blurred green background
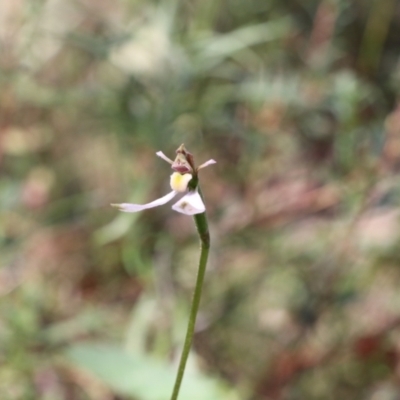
298 103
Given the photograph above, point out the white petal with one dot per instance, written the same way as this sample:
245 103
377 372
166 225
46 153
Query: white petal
164 157
206 164
190 204
128 207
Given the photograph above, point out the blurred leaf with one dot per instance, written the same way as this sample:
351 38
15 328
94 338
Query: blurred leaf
116 229
214 49
140 376
121 224
86 322
142 315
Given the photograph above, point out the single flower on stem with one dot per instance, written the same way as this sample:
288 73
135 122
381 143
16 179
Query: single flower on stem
183 180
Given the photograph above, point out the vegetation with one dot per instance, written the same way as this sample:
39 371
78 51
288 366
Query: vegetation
297 102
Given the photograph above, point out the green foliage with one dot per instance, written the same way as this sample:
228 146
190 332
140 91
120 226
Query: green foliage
297 102
140 376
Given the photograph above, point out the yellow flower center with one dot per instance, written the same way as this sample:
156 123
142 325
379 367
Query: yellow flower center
180 182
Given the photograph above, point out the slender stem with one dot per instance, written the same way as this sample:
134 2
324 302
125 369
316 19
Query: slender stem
202 228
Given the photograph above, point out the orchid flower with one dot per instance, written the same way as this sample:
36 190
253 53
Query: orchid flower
183 180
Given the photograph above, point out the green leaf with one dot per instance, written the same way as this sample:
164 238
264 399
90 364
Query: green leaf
216 48
142 377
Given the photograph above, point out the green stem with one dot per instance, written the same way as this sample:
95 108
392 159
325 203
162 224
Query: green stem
202 228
